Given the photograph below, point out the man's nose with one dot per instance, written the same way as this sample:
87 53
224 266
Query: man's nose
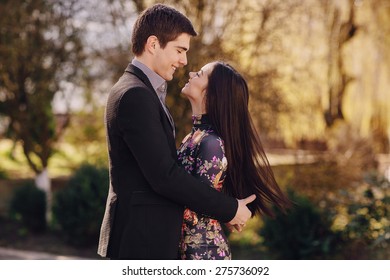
183 60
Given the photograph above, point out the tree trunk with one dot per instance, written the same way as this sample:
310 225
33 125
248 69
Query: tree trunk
340 33
43 182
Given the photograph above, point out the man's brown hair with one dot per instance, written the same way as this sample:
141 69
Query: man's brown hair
164 22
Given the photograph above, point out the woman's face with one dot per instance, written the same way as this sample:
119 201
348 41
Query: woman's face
195 89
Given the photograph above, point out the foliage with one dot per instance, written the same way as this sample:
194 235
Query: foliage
86 136
3 174
365 221
40 49
356 205
28 206
303 233
79 207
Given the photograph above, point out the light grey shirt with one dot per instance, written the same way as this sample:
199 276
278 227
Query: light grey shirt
159 85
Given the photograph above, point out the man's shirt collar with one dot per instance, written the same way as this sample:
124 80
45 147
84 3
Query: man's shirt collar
158 83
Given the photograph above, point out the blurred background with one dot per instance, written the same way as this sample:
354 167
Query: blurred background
319 76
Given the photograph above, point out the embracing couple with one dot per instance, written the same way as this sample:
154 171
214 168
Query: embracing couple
169 203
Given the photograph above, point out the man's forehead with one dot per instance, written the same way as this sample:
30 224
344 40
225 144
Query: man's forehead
182 41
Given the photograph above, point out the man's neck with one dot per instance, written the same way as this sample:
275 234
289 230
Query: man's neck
156 80
146 61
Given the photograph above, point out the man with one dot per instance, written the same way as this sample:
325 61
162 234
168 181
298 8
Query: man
148 190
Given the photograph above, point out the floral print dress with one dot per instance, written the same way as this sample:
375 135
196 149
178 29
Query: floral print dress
202 154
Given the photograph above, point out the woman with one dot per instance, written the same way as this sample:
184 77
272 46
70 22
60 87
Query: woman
223 149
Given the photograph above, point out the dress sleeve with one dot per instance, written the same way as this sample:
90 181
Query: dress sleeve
211 163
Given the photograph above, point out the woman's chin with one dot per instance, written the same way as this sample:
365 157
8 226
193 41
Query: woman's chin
184 91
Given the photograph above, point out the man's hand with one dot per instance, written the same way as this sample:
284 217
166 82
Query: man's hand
243 213
232 228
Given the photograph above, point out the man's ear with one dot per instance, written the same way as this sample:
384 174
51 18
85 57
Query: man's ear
151 44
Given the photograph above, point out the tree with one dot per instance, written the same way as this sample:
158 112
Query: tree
340 33
380 31
40 50
358 61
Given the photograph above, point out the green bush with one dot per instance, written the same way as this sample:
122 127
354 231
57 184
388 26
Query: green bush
79 207
302 233
368 215
3 174
28 206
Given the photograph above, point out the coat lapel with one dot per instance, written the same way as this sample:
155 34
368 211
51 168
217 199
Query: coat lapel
138 72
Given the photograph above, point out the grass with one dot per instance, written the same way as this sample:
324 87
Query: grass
13 164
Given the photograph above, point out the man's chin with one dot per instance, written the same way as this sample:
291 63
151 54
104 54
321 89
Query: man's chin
169 78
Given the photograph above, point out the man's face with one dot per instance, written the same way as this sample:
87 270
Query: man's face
173 56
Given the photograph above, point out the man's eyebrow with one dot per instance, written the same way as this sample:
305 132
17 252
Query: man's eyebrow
183 48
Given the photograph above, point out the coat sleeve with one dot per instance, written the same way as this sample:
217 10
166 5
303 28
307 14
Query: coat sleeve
141 127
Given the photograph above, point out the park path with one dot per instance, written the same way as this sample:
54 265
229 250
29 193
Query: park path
13 254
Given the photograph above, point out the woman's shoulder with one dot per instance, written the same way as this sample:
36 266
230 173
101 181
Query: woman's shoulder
211 135
212 141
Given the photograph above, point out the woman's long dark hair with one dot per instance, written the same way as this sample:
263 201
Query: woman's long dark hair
248 169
